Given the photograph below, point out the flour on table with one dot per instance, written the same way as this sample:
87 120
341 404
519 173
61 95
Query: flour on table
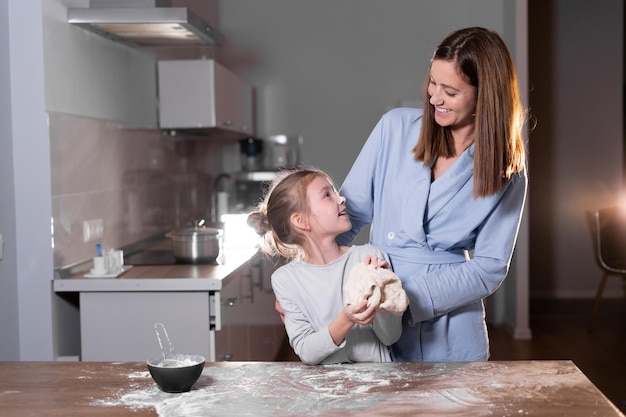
381 287
142 374
446 389
258 390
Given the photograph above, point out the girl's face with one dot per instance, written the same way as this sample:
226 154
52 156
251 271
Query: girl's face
327 209
453 98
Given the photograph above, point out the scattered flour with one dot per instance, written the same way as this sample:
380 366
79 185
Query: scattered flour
144 374
446 389
264 391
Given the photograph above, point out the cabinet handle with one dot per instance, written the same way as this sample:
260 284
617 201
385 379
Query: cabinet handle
256 274
251 286
231 302
228 357
228 123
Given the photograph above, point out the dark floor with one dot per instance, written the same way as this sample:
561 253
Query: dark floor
559 330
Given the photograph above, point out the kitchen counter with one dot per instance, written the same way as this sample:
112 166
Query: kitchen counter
176 277
223 311
537 388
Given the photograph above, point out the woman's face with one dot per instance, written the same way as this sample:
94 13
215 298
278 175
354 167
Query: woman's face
453 98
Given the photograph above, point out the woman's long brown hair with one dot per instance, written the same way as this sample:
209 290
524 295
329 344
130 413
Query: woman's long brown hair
483 59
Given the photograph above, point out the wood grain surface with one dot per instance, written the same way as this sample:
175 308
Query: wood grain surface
518 388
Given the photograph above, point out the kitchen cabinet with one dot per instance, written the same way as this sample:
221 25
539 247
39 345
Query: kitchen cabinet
222 311
251 330
119 326
202 94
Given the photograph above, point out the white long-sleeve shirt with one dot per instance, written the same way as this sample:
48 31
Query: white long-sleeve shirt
313 295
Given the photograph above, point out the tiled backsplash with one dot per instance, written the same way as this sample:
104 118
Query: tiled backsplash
139 182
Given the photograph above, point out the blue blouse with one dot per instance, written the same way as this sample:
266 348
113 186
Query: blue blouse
449 249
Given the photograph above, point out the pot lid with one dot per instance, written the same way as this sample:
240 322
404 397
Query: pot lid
197 230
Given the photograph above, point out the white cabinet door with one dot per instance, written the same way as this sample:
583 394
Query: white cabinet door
119 326
232 337
251 330
200 94
233 101
267 331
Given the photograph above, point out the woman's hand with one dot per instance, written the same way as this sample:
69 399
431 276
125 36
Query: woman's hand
280 311
377 262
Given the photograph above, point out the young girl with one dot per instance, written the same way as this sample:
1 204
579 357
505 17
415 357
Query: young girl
299 220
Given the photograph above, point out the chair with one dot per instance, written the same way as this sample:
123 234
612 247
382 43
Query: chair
609 232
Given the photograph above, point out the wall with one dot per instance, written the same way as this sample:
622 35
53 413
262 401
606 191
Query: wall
9 323
123 79
328 70
576 149
108 159
137 181
26 269
96 80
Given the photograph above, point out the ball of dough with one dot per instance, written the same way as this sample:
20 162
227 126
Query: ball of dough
381 287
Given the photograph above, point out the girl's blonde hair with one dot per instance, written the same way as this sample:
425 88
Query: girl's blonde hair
485 62
272 220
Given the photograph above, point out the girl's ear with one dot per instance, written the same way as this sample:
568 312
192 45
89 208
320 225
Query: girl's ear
299 221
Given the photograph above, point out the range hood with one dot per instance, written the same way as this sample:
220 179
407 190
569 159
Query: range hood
144 26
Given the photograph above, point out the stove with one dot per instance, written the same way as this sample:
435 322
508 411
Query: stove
159 257
151 257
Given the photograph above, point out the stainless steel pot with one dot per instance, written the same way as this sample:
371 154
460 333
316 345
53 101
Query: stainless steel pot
197 244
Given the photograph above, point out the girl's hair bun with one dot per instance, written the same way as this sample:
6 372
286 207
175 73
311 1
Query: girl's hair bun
258 221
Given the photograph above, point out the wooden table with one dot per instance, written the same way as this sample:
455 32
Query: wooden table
521 388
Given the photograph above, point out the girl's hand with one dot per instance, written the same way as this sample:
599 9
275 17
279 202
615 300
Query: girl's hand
360 313
349 316
376 262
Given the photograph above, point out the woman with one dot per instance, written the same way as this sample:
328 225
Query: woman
444 189
300 219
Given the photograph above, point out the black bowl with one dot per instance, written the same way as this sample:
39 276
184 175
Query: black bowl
176 373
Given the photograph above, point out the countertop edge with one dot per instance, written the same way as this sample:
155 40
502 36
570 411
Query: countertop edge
142 284
185 278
